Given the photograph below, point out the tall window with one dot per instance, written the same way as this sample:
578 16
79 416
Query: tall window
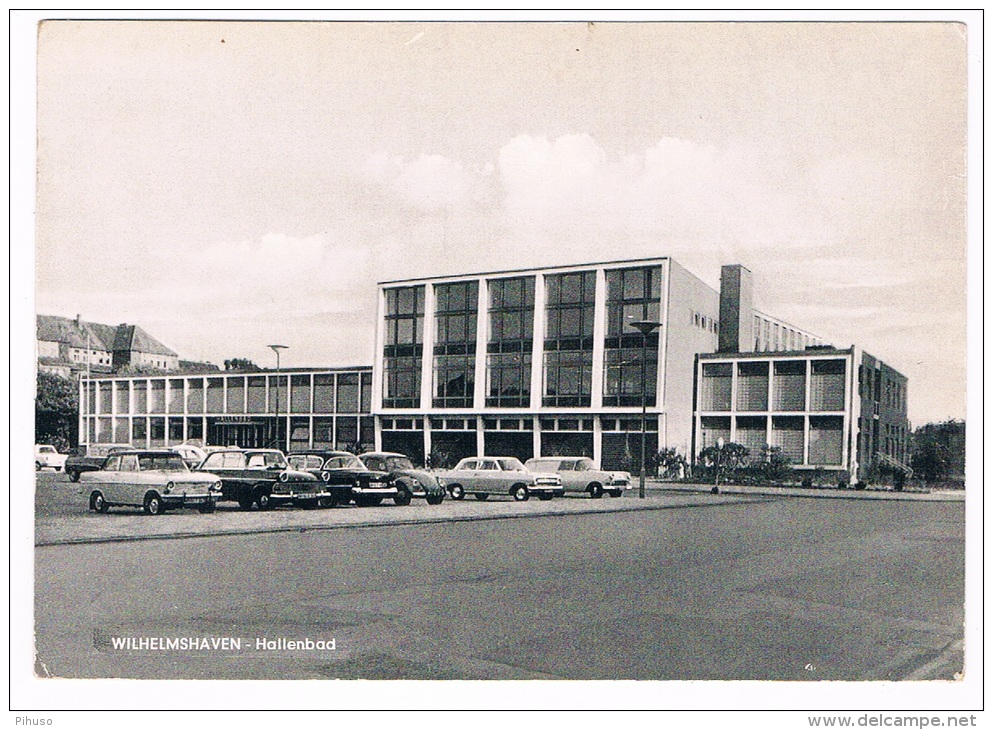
827 385
404 347
569 305
456 314
632 295
511 315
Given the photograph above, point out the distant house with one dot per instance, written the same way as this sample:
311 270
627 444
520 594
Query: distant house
136 349
68 347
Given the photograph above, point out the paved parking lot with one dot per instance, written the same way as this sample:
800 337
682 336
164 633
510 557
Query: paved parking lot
62 515
721 588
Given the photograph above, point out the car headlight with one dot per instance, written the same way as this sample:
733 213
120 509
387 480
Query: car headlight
326 476
168 488
284 477
215 487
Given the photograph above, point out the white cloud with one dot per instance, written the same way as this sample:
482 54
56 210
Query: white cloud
428 183
678 190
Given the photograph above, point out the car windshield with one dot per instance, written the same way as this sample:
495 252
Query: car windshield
344 462
543 464
161 462
511 464
397 463
266 459
305 462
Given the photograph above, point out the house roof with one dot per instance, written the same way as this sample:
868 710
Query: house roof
96 336
131 337
75 333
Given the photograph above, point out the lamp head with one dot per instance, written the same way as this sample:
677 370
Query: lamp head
645 326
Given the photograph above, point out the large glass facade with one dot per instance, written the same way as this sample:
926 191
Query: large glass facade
632 295
404 347
511 338
456 314
568 366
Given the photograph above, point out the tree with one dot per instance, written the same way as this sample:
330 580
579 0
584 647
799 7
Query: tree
939 450
729 460
241 364
670 464
56 411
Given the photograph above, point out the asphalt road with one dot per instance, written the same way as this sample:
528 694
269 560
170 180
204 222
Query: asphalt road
792 589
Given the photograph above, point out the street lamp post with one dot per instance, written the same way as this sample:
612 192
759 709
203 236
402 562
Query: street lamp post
717 464
646 327
276 349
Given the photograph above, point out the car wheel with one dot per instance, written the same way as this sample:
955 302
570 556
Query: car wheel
263 500
615 492
98 503
520 493
457 491
402 498
435 499
545 496
153 505
246 503
73 475
482 496
325 502
37 466
208 507
595 490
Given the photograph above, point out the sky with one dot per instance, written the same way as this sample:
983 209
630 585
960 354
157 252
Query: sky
230 185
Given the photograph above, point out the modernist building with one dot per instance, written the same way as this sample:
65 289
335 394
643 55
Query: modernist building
296 409
836 410
543 361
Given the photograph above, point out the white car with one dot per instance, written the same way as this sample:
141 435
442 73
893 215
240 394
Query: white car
192 455
47 457
485 475
153 480
580 474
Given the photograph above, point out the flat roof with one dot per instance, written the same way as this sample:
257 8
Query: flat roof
810 352
218 373
509 272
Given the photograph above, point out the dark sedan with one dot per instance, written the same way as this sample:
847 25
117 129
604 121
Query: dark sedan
262 477
347 478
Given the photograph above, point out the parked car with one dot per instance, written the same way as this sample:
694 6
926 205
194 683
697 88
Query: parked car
48 457
155 480
90 457
581 474
486 475
262 477
348 479
416 482
191 454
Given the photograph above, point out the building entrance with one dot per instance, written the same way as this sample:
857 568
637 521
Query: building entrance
251 435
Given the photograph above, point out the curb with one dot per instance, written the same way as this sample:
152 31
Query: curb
819 493
400 522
